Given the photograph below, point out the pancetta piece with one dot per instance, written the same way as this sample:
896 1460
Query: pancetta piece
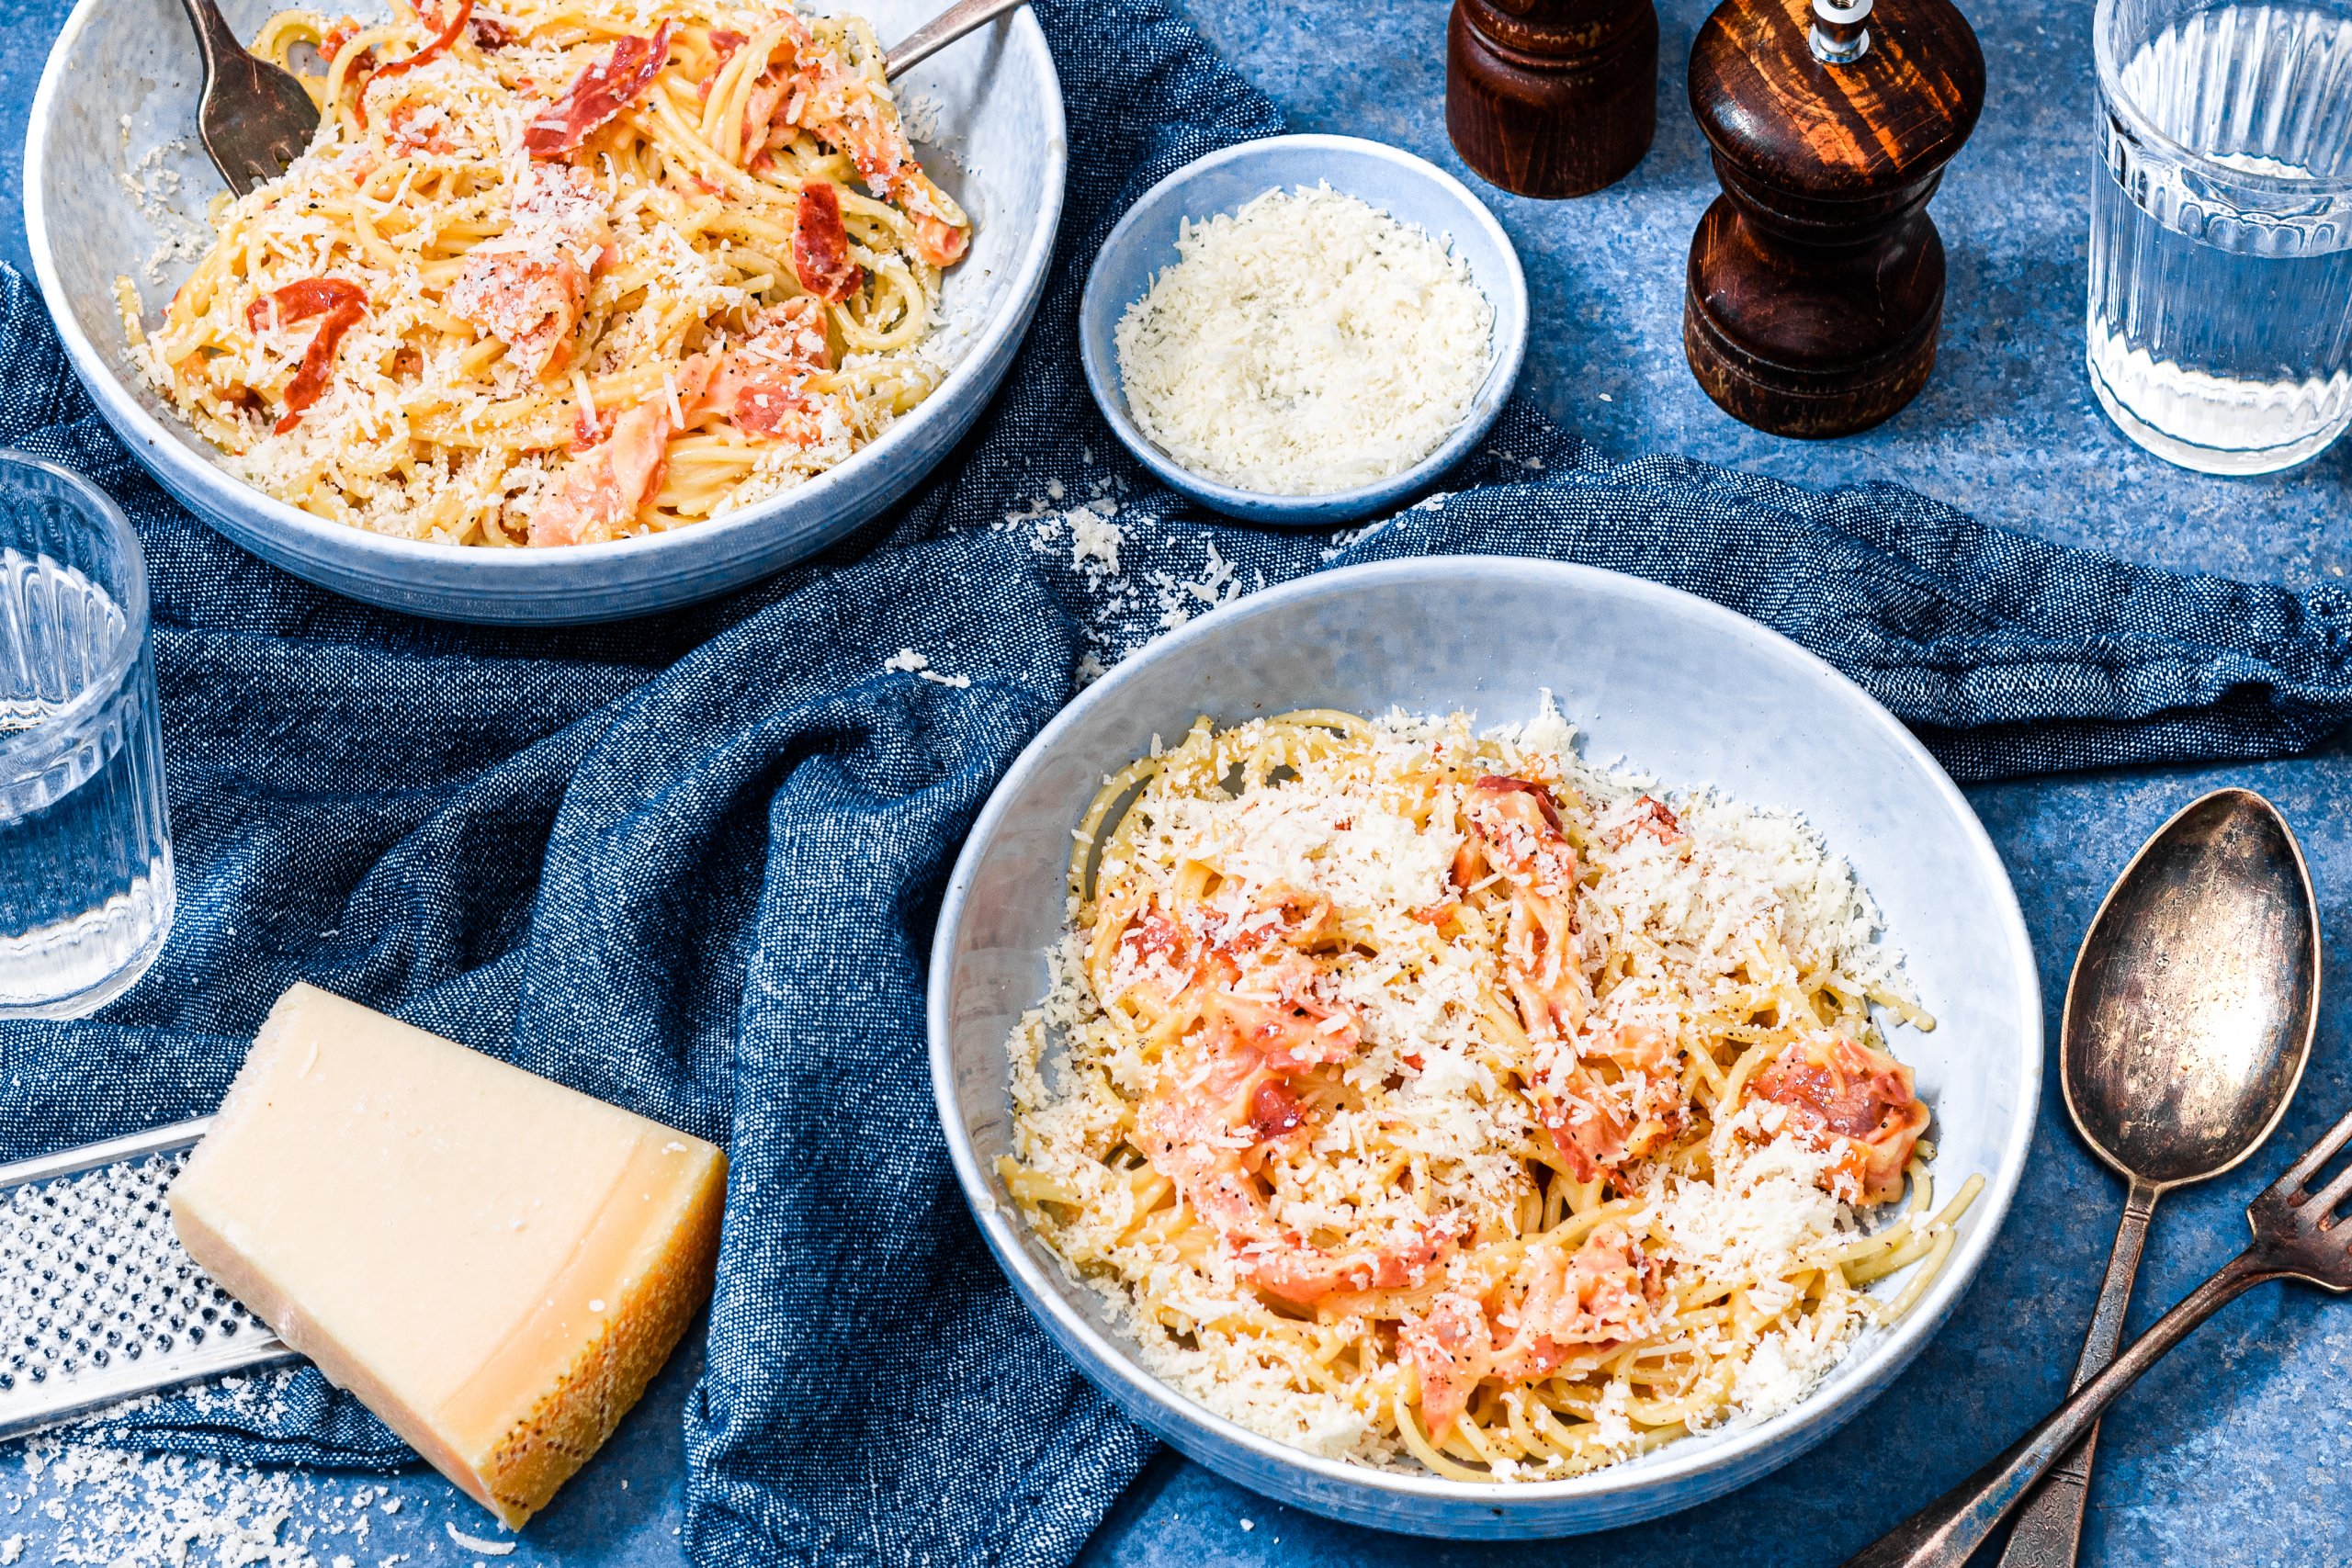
339 303
598 95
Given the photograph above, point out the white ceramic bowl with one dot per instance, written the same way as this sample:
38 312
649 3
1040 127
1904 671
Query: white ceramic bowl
1002 151
1409 189
1678 687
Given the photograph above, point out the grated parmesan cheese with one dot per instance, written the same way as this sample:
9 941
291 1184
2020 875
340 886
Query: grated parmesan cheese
1306 344
1681 925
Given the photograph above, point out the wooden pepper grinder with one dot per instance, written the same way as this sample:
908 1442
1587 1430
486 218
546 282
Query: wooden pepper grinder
1552 97
1816 280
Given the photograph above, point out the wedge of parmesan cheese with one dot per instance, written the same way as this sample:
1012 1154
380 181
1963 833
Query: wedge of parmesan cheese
494 1264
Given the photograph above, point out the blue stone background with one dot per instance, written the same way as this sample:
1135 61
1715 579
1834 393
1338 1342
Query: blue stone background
2231 1452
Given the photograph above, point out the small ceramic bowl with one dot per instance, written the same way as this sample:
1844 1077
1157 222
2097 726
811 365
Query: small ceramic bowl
113 176
1678 688
1409 189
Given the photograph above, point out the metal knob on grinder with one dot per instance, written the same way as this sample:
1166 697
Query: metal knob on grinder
1816 280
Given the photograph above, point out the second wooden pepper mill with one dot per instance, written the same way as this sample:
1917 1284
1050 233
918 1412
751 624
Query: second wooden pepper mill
1552 97
1816 280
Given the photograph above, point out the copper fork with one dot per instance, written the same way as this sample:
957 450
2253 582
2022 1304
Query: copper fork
255 118
2295 1238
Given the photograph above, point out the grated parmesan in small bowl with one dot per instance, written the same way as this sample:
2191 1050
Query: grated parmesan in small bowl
1305 329
1306 344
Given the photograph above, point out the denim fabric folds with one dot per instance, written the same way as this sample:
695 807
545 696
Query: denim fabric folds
690 863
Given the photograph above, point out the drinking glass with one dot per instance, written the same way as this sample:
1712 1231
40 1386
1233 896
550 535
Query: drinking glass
2221 250
86 854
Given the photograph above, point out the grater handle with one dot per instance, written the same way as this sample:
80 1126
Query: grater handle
21 1417
89 1156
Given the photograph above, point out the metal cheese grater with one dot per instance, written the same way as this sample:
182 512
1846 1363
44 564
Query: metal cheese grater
98 1301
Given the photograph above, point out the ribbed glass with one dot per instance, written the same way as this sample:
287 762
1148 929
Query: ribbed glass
2220 328
85 857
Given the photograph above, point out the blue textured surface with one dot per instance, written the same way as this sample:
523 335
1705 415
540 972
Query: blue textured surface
2227 1454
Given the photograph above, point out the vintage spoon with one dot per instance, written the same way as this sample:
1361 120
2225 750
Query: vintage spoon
2188 1021
254 120
2217 893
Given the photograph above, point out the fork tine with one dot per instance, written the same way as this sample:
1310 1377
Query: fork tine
2323 1203
2318 1155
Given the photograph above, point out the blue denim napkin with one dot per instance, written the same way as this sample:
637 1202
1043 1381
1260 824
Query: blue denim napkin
689 864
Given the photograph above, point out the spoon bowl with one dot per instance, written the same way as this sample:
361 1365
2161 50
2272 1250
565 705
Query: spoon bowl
2189 1017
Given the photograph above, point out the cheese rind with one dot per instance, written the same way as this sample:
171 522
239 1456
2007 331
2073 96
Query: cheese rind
494 1264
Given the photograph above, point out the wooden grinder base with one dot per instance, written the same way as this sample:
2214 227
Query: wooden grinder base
1816 287
1802 343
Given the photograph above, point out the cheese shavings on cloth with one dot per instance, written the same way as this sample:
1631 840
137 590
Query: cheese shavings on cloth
1306 343
1431 1098
577 270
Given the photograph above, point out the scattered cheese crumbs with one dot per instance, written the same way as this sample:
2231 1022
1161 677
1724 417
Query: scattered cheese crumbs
1249 1524
475 1543
106 1507
1303 344
908 662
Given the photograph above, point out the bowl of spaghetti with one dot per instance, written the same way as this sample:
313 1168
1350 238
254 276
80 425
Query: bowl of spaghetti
1484 1086
572 309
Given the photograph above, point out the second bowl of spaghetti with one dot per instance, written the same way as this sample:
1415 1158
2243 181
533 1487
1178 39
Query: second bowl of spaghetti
572 309
1479 1087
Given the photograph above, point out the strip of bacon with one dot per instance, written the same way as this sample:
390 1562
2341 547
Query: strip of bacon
1837 1088
341 303
489 34
939 242
415 127
760 382
1226 1096
338 36
821 245
598 95
434 47
724 42
1602 1295
600 492
813 94
527 287
1657 819
1451 1349
1599 1121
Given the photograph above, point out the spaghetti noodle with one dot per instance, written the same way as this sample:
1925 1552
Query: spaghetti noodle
1425 1096
568 271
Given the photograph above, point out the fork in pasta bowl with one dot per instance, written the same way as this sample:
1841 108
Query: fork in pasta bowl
570 310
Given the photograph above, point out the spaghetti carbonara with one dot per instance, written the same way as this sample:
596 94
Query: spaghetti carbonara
1421 1096
564 272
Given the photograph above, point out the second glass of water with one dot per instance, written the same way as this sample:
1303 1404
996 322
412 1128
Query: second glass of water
2221 247
86 854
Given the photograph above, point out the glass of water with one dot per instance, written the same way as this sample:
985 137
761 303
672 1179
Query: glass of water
86 854
2220 251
